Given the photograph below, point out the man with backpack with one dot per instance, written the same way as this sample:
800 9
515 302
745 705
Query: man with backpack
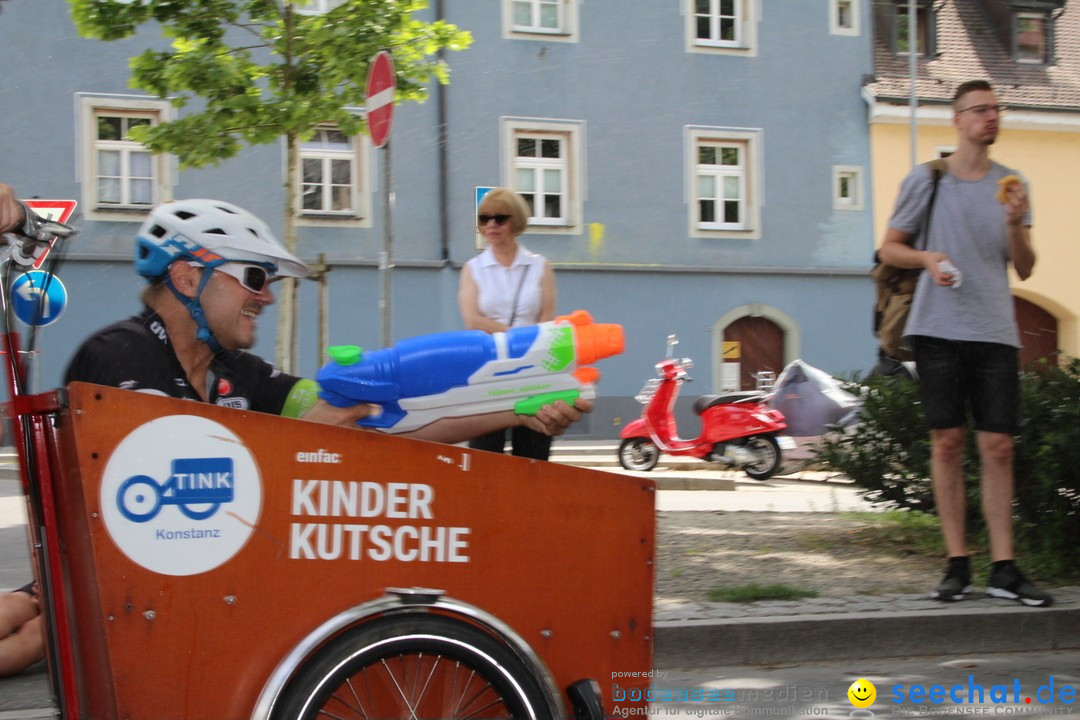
963 331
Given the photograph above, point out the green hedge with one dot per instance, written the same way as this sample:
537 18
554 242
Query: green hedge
888 456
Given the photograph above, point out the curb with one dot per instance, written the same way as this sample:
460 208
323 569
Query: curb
864 635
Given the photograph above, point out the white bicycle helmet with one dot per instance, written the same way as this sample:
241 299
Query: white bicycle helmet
209 232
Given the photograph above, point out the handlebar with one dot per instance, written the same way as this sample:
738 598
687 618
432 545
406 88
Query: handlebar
32 240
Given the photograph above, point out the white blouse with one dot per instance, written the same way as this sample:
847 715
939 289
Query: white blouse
498 286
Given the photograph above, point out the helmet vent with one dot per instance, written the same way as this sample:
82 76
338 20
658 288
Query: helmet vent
157 231
184 214
215 231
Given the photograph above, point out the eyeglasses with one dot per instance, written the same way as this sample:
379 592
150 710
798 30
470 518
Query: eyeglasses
485 219
253 278
984 110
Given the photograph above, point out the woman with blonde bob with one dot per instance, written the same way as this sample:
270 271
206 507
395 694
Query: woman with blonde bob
507 286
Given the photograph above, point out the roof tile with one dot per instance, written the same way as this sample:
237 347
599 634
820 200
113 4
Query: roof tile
969 49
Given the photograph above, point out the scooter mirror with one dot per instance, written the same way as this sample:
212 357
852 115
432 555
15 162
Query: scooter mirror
672 341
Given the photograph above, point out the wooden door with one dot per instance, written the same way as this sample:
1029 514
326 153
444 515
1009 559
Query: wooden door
761 347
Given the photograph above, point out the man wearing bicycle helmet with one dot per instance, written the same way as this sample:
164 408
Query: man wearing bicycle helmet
209 265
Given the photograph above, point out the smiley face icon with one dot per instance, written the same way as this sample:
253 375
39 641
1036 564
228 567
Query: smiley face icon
862 693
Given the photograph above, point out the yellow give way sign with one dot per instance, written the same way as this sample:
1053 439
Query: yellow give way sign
732 349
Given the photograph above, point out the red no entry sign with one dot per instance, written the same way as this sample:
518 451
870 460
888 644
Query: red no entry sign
381 84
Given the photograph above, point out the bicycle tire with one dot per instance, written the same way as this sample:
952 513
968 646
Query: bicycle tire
418 666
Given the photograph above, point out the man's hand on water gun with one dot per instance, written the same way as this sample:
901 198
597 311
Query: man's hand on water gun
553 419
324 412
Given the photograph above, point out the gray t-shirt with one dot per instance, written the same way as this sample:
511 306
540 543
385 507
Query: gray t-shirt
968 225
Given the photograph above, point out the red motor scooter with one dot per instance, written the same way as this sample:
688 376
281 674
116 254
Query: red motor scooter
737 429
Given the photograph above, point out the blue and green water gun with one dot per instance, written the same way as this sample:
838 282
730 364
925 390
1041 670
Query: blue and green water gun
471 372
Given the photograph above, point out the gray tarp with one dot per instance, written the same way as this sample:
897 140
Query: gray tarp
811 400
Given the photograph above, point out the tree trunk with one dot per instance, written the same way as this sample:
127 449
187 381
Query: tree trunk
287 342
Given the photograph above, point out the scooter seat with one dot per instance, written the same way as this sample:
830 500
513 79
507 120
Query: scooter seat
705 402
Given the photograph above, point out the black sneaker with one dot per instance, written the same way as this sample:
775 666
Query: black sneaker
957 581
1008 582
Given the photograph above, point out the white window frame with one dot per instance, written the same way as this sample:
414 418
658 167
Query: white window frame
747 13
89 108
566 31
316 7
572 135
857 194
1047 29
359 157
751 141
854 23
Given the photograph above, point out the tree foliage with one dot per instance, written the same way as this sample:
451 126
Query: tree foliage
264 69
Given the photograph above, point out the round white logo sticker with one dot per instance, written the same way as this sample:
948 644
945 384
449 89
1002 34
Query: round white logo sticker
181 495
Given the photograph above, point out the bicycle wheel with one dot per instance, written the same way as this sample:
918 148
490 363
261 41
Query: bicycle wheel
416 666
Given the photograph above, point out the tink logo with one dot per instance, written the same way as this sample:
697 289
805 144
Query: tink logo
197 487
181 495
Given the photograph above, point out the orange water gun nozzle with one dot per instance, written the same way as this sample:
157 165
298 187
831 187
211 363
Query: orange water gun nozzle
593 341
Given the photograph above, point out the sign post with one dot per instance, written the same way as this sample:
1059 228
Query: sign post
381 88
39 299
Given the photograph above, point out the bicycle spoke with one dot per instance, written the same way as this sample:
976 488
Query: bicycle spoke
476 696
430 676
416 686
465 702
356 707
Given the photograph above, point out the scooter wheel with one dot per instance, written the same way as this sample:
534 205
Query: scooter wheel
638 454
767 457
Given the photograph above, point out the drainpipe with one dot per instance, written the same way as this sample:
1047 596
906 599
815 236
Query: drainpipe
443 160
913 75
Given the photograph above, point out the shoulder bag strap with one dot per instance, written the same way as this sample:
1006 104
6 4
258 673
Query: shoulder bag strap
937 169
517 295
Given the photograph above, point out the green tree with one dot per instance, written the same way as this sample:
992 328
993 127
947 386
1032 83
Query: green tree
265 69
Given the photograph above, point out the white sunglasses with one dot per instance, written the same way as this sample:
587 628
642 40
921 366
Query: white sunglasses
253 278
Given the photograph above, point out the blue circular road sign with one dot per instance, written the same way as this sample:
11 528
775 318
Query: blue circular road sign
38 298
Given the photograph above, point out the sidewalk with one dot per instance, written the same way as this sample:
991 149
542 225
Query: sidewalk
862 626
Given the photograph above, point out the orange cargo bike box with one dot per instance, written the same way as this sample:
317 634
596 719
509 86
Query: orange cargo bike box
218 564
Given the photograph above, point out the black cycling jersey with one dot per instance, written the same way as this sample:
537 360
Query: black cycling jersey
135 354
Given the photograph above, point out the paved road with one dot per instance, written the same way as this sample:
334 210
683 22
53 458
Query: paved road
14 560
1051 680
802 691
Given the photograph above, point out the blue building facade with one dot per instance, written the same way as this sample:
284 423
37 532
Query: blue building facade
697 167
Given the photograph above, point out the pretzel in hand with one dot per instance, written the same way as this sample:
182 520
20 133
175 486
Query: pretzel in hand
1003 187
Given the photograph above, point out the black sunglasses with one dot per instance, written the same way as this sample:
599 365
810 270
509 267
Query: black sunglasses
485 219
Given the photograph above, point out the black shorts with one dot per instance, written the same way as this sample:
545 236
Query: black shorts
956 375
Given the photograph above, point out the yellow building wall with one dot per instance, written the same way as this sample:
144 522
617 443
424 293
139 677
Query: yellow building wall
1050 160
